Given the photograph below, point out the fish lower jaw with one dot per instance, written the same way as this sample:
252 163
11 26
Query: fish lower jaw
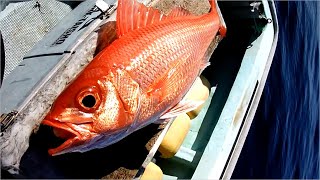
61 149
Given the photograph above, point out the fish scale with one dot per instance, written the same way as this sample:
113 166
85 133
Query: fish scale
157 62
137 79
173 86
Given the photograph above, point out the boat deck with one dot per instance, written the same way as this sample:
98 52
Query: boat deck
129 153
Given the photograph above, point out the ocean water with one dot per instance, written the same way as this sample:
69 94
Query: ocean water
283 141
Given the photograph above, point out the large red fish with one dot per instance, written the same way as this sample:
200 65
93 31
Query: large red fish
138 79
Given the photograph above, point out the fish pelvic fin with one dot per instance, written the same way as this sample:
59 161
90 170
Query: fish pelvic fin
183 106
132 15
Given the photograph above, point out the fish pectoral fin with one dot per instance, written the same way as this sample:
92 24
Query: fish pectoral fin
133 15
183 107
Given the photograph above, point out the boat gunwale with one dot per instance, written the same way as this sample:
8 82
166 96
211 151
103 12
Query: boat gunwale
246 124
257 88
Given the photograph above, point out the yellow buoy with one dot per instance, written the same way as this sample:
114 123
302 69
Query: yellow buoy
175 136
152 172
199 91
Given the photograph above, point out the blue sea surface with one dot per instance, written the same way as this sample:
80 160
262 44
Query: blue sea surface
283 141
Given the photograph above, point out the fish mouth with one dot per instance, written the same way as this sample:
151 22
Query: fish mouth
65 131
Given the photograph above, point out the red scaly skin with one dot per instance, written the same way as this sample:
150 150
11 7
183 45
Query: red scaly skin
133 81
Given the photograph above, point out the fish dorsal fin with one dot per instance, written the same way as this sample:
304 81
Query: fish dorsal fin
133 15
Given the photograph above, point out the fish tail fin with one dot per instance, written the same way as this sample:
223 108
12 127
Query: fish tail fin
215 11
213 7
132 15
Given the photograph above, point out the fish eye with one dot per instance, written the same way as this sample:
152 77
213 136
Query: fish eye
88 101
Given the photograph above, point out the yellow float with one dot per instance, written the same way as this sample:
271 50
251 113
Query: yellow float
199 91
175 136
152 172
